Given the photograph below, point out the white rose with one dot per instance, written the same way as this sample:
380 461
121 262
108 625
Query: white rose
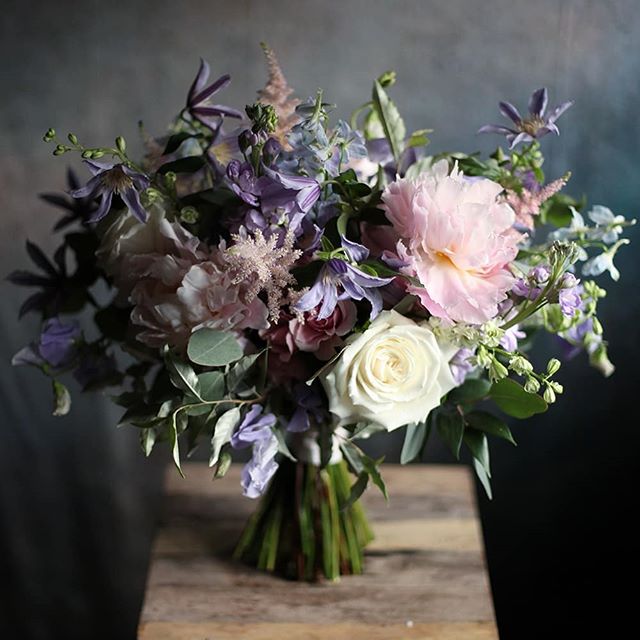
393 374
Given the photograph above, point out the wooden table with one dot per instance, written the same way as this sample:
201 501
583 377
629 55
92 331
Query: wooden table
425 572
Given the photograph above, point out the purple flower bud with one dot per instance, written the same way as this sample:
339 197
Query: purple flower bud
540 274
271 150
568 281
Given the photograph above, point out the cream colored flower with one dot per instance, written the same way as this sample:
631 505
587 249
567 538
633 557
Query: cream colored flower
393 374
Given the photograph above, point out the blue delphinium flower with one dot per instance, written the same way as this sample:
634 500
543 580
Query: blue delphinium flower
198 103
256 430
111 178
536 125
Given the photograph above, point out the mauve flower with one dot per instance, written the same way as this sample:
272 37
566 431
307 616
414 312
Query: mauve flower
461 365
56 347
111 178
198 99
353 282
534 126
322 336
509 340
255 426
460 240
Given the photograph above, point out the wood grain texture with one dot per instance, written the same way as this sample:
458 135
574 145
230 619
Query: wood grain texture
425 572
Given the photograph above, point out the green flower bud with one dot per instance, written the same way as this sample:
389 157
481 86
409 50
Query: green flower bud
170 179
549 395
87 154
600 360
59 150
556 386
532 385
553 366
49 135
387 79
520 365
497 371
121 145
189 215
97 153
596 326
73 139
483 359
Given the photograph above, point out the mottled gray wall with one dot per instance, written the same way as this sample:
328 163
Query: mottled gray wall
76 498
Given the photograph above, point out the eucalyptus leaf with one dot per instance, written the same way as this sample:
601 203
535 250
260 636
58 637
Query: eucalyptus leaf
211 385
212 348
224 429
414 441
450 427
390 119
488 423
239 371
515 401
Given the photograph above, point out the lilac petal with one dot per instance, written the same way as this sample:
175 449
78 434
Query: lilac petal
132 199
548 128
364 279
199 81
140 180
103 209
218 85
355 251
299 421
288 181
538 102
312 298
516 140
89 189
379 150
329 301
509 111
98 167
26 355
496 128
558 111
352 290
308 196
217 110
374 297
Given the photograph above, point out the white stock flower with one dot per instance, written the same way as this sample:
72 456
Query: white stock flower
393 374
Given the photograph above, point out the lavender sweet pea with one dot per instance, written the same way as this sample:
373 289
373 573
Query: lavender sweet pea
111 178
56 347
253 428
355 284
536 125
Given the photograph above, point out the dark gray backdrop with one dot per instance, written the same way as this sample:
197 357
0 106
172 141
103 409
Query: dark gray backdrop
77 500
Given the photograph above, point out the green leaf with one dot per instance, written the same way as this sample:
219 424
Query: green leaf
371 467
282 445
182 375
147 440
488 423
61 399
190 164
173 442
353 454
479 447
424 164
211 385
419 138
239 371
450 426
471 391
223 465
357 490
390 120
365 430
224 429
175 141
483 477
212 348
515 401
343 219
414 441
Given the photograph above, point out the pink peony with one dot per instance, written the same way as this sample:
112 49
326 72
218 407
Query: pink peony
322 337
459 240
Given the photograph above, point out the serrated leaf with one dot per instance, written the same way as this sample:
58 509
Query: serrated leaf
414 441
450 427
212 348
515 401
471 391
488 423
390 120
61 399
222 433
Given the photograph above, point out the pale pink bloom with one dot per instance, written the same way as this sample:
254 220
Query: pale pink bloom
527 203
322 337
460 241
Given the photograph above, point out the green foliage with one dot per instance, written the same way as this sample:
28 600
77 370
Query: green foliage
515 401
414 440
212 348
223 431
483 421
190 164
472 390
61 399
390 119
450 427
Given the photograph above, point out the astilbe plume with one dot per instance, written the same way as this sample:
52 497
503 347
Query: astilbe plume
527 203
277 93
263 266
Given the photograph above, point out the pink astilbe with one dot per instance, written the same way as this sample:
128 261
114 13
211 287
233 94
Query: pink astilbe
277 93
527 203
262 265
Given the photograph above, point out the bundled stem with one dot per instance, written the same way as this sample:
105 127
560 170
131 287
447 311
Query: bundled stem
301 529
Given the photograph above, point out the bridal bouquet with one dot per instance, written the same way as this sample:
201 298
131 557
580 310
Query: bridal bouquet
275 281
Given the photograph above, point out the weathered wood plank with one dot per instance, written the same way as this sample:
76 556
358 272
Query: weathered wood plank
425 574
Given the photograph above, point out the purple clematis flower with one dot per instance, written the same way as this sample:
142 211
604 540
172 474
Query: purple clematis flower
111 178
57 346
536 125
355 284
253 428
198 103
310 406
